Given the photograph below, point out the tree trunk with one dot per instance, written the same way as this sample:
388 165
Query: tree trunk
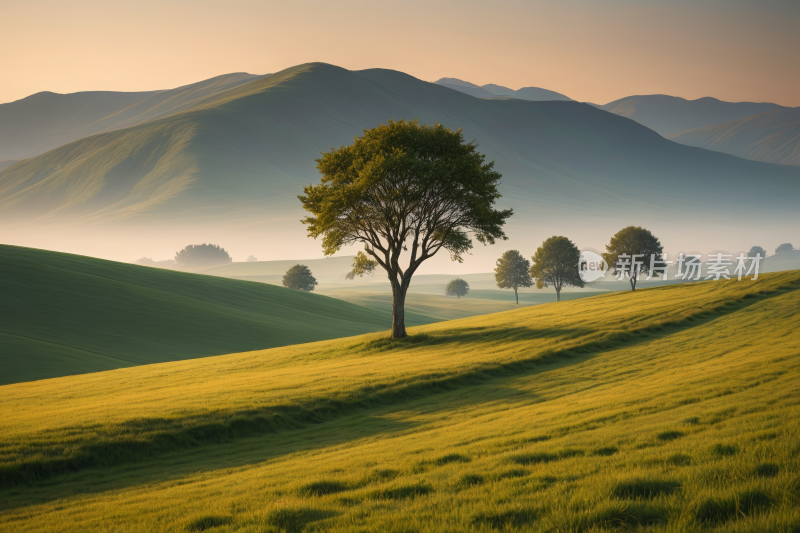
633 282
558 295
398 310
516 295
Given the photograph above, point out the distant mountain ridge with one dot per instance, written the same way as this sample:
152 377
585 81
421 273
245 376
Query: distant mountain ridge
46 120
491 90
772 137
230 166
671 114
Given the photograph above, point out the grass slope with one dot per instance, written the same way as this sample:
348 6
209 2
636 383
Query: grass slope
772 137
64 314
668 409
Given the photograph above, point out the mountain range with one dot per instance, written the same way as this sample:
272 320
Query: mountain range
491 90
226 158
773 137
670 114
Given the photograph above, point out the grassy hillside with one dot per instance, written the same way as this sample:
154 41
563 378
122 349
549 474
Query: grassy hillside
64 314
772 137
671 409
492 90
671 114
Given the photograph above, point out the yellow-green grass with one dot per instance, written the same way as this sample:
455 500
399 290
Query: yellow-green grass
63 314
424 308
671 409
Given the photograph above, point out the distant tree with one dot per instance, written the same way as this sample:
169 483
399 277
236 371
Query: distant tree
629 242
556 263
785 247
513 272
457 287
757 250
252 259
202 255
299 278
147 261
403 187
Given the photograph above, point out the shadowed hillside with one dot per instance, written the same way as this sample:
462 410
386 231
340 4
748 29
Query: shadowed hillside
772 137
671 114
63 314
672 408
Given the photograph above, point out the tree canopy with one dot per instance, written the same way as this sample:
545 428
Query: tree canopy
202 255
404 191
556 263
299 278
513 272
457 287
757 250
630 242
785 247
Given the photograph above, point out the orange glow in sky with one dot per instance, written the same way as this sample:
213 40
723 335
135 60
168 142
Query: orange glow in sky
590 50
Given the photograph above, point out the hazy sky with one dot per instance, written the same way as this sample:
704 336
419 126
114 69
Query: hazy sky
590 50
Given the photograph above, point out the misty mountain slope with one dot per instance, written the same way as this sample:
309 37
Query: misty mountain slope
237 161
671 114
491 90
64 314
44 121
772 137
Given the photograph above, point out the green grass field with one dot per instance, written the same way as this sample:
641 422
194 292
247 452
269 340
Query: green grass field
669 409
63 314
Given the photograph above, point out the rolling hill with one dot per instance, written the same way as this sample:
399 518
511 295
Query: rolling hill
64 314
772 137
670 114
672 408
230 169
491 90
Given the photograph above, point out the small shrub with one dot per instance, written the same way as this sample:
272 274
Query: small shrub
641 488
323 488
293 519
625 516
724 450
679 459
767 470
693 421
718 510
669 435
534 458
204 523
511 518
469 480
402 492
381 475
451 458
606 451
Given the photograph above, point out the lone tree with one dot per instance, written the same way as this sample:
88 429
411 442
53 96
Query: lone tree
785 247
202 255
299 278
252 259
757 250
513 272
556 263
634 250
457 287
403 187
